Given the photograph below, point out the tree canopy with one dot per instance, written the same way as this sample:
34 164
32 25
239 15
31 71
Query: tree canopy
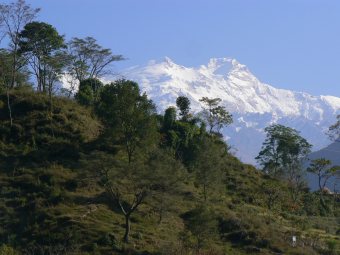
282 149
215 115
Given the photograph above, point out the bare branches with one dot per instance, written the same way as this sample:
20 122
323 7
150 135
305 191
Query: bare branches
14 17
89 59
334 130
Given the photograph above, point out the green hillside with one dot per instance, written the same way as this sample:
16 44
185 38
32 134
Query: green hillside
88 168
55 187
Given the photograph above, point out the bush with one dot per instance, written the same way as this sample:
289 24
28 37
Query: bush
202 224
332 246
230 224
7 250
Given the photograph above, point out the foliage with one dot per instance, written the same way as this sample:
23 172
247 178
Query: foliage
282 151
55 197
73 179
36 130
41 43
6 65
202 224
132 120
169 118
7 250
324 170
208 166
183 104
89 92
89 59
215 115
130 115
334 130
14 17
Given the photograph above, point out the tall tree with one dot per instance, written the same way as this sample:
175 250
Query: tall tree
89 59
15 16
5 69
324 170
2 33
167 174
282 154
215 115
43 45
169 118
89 91
183 104
282 147
131 117
208 166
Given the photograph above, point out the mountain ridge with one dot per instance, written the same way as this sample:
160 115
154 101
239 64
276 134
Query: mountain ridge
254 104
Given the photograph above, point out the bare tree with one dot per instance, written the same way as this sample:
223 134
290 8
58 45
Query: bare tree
14 17
89 59
2 32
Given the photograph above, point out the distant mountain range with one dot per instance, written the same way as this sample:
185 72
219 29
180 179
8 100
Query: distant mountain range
254 104
331 152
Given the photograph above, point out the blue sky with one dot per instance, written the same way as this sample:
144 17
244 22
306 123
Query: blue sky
293 44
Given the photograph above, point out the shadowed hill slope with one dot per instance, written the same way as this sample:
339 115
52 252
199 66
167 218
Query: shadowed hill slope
53 200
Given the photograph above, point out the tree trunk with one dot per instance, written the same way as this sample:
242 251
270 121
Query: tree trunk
161 209
205 192
9 107
321 189
14 66
127 228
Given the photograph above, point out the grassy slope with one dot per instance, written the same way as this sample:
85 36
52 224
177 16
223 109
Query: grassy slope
47 198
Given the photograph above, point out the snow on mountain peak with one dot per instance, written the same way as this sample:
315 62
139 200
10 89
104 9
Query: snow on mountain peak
226 78
169 61
255 104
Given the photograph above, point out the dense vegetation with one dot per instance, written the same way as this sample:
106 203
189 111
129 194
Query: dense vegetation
104 173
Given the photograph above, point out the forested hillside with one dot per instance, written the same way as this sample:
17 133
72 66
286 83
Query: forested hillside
96 169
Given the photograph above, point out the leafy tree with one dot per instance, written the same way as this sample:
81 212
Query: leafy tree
6 71
6 77
208 166
324 170
130 115
89 59
89 91
273 194
180 139
168 173
42 44
131 118
283 148
215 115
15 16
179 135
169 118
183 104
282 154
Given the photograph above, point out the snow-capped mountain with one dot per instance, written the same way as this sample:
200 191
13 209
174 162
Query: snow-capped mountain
254 104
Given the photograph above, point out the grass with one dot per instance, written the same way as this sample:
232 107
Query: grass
51 195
